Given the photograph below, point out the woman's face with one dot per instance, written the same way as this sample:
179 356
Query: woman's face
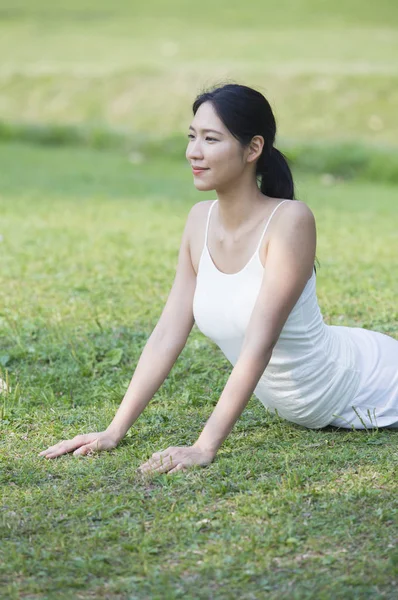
212 147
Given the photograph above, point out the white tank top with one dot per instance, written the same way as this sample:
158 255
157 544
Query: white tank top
312 374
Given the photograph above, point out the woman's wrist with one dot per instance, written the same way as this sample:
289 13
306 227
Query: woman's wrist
115 433
210 451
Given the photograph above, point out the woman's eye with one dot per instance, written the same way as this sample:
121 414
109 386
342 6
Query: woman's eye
209 139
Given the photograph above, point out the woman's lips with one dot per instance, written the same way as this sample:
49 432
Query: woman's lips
198 171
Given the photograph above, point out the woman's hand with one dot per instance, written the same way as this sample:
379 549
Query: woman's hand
82 445
176 458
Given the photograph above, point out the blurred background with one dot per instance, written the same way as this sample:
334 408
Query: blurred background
328 68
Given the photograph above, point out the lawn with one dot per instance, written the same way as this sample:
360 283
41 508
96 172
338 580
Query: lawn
328 69
88 252
95 101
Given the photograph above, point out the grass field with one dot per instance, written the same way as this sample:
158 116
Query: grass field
89 248
89 241
329 69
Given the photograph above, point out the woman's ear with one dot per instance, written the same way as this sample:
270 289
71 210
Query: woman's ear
255 148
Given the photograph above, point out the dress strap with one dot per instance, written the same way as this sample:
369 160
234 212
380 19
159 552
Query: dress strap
208 221
265 229
268 222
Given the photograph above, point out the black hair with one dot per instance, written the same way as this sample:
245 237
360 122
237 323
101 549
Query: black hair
245 112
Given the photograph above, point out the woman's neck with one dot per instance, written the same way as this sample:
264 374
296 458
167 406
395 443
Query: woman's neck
237 207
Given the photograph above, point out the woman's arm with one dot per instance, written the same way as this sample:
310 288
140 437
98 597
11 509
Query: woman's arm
154 365
290 260
157 359
236 394
289 265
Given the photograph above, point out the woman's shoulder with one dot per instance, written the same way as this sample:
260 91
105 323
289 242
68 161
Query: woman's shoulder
203 205
199 211
296 210
293 219
197 216
196 226
296 221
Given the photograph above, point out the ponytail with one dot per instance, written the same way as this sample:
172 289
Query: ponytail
246 113
275 174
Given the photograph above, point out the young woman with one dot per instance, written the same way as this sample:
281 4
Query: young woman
246 276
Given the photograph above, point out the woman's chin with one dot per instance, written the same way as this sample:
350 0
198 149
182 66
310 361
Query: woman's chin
201 186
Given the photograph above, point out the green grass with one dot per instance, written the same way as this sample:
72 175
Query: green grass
88 247
342 160
328 69
88 253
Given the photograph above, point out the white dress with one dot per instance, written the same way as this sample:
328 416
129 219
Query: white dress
318 374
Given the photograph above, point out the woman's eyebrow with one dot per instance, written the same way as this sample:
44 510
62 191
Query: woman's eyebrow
206 130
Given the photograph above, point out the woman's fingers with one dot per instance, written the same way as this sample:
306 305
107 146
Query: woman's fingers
168 464
173 459
168 467
57 449
87 449
179 467
158 465
157 459
64 447
83 444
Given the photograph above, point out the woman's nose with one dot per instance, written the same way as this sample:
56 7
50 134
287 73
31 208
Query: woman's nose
194 150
